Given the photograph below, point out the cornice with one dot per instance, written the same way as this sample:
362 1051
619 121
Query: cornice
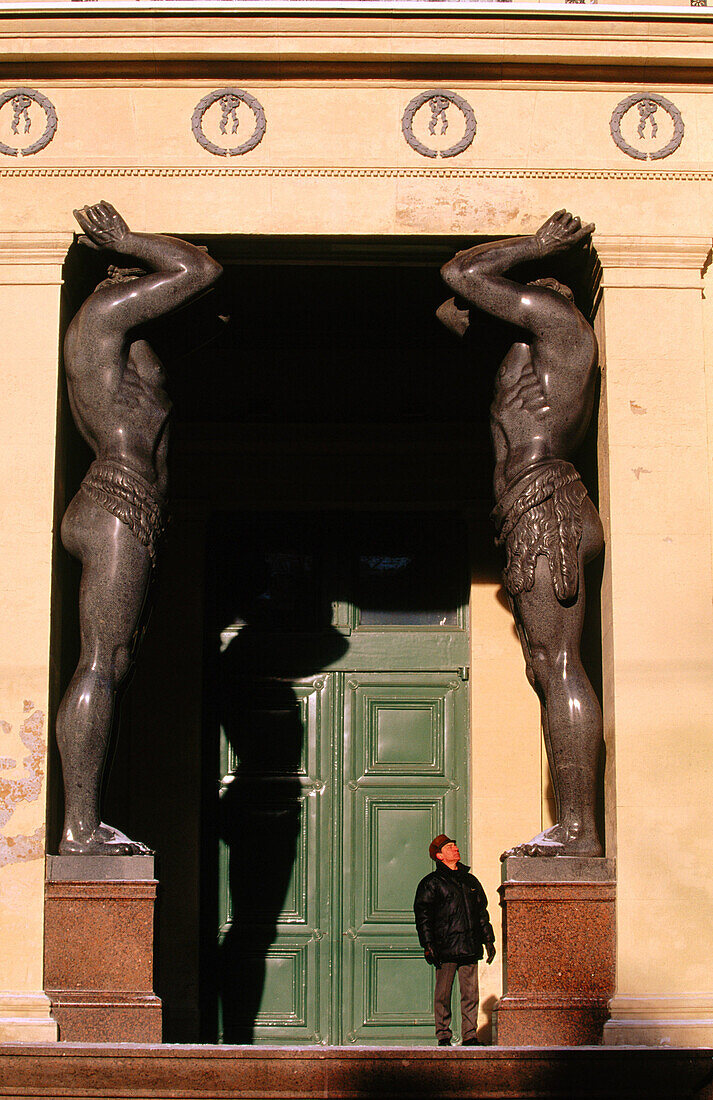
28 249
682 253
661 263
436 34
33 259
359 8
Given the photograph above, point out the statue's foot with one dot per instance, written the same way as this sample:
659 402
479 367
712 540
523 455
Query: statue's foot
104 841
559 840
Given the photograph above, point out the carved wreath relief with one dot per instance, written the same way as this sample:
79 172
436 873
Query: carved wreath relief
645 126
28 122
657 134
219 114
441 120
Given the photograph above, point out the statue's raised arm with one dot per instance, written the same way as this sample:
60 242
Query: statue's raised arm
171 272
477 275
115 522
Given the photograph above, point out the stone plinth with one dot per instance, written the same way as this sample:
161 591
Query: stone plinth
99 932
558 949
78 1071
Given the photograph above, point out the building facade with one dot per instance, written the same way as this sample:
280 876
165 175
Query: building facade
332 156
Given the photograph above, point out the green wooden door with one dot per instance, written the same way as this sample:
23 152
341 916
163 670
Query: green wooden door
344 742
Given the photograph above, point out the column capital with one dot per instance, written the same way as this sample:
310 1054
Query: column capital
27 258
661 262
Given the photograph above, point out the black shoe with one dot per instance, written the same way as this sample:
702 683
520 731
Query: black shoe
471 1043
444 1042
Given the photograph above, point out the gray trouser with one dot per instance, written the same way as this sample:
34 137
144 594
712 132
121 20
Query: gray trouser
468 980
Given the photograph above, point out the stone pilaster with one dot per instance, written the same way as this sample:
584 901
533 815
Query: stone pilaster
30 281
657 625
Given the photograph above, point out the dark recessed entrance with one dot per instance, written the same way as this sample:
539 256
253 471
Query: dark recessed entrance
330 470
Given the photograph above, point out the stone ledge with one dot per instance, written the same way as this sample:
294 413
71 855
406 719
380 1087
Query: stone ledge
99 868
569 869
75 1070
25 1018
683 1020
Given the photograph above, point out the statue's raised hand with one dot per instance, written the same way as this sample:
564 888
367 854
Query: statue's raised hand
103 226
561 232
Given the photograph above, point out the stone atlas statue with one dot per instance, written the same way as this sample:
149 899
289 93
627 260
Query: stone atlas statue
542 406
115 522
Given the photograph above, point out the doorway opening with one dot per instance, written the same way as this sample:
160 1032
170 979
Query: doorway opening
324 420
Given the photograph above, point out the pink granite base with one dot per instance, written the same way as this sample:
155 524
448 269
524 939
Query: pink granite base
99 960
559 950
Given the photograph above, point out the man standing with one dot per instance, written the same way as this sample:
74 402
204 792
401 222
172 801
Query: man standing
453 926
542 405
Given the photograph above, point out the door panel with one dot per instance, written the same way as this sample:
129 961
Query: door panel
275 801
391 995
400 790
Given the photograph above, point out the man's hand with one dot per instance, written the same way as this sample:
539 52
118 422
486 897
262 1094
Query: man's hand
103 225
490 951
431 957
561 232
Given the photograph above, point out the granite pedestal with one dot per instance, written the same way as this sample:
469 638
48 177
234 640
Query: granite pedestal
558 951
99 933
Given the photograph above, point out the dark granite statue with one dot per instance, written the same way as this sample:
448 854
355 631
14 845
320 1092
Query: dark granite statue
544 395
115 522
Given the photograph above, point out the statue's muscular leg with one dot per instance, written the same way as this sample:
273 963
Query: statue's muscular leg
116 572
550 633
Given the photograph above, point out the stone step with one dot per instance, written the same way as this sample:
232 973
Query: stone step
70 1071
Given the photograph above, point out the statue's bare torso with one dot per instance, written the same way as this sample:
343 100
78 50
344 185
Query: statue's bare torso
541 408
125 419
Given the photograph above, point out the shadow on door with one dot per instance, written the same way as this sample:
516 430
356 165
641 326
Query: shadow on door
296 603
269 602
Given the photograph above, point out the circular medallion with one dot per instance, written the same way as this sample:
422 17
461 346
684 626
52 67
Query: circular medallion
225 120
21 119
438 124
660 134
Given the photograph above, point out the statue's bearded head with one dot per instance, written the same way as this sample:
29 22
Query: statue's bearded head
120 275
554 284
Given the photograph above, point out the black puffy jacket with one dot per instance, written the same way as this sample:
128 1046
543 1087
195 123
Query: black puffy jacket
452 914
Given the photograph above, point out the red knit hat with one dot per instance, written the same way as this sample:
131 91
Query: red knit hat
437 843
